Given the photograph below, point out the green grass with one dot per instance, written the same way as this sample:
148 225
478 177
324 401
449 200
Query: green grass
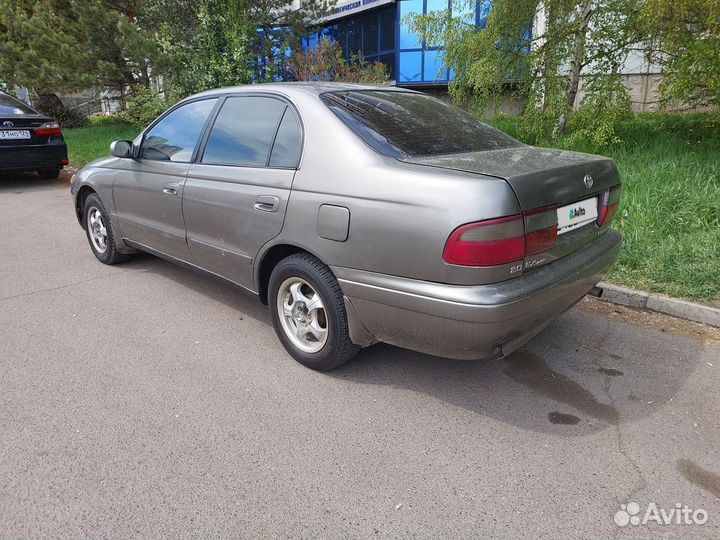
89 143
670 209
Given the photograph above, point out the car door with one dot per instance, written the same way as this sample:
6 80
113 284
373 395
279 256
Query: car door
236 192
148 188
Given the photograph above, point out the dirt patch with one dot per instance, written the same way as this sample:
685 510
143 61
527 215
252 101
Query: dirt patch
66 174
664 323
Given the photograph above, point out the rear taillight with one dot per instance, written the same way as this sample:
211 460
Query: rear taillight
540 230
608 205
48 128
487 243
501 241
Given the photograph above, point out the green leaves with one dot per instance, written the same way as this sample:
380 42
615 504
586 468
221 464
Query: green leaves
40 47
685 36
67 45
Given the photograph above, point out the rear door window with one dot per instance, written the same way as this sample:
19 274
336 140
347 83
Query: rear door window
244 132
286 149
174 137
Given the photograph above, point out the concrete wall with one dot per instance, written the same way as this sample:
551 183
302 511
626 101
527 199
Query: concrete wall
510 105
644 90
645 96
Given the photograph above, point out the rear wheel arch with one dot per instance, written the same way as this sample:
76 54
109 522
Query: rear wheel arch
269 260
308 311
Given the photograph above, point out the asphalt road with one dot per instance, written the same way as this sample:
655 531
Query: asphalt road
143 400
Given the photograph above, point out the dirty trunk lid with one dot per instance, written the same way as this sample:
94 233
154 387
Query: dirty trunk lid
538 176
542 177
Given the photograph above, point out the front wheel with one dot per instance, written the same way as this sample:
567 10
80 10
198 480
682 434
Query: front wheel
308 313
99 232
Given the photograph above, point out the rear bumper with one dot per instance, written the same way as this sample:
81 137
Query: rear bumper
32 157
471 322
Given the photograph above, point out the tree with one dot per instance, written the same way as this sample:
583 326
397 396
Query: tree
209 48
225 42
539 49
684 35
67 45
30 55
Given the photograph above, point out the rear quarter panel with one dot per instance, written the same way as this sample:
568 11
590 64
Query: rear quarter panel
400 214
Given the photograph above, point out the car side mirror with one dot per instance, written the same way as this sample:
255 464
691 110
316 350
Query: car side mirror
121 149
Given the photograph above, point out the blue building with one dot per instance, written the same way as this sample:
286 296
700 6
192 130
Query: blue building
376 29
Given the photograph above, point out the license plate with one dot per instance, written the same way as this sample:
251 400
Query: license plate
15 134
577 214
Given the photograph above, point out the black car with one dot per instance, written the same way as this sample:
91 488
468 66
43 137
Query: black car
29 140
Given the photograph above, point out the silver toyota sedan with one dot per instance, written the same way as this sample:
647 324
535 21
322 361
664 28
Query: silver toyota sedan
360 214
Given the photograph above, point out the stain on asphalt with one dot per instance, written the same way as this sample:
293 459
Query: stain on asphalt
531 370
610 371
565 419
707 480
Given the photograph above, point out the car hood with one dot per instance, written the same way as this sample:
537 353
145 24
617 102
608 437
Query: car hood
538 176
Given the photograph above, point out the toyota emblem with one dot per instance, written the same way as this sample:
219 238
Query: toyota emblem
588 181
8 123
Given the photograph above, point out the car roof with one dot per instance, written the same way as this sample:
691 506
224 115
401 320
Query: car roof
306 87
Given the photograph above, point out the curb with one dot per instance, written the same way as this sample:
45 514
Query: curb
657 302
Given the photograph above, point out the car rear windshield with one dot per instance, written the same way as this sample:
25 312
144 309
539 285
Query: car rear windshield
402 124
12 106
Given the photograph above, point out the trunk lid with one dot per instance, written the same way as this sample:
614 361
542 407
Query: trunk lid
542 177
538 176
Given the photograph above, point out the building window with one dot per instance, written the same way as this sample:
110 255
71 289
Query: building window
386 20
370 35
410 67
483 11
418 62
408 39
433 69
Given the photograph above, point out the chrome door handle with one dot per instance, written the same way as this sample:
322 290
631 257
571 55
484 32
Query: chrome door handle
267 203
171 189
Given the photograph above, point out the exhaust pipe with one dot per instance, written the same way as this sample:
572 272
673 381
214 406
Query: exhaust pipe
595 291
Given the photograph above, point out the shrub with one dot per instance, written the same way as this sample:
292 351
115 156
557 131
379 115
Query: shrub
592 128
143 107
327 63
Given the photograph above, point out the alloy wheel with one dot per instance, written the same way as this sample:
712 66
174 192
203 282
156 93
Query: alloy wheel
302 315
96 228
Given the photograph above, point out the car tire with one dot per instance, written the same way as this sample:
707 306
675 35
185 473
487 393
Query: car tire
308 313
48 174
99 232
